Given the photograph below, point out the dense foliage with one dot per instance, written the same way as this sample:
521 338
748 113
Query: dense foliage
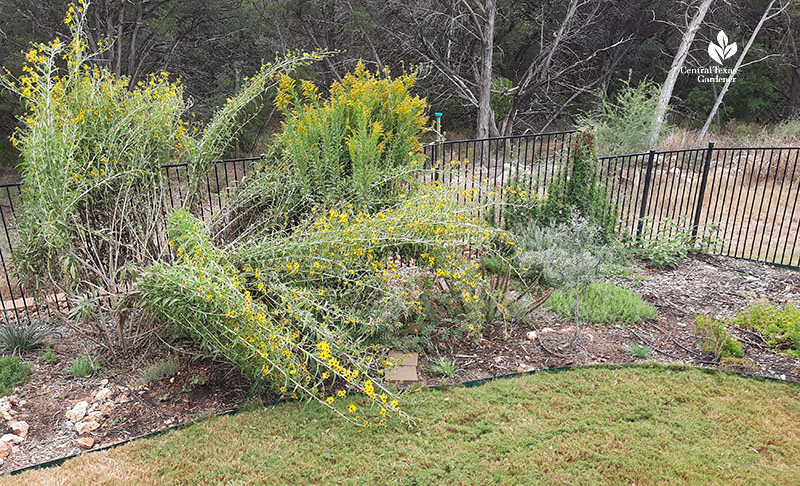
605 303
298 280
357 145
780 327
92 147
586 68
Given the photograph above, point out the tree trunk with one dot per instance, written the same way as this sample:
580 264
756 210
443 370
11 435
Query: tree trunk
485 114
736 67
132 48
794 90
675 69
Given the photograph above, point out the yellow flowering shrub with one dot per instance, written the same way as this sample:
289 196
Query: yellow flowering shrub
308 311
358 145
91 148
298 280
278 333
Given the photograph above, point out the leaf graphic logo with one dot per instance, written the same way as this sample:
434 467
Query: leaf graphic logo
722 51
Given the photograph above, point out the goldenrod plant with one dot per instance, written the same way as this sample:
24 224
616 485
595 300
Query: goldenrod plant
357 145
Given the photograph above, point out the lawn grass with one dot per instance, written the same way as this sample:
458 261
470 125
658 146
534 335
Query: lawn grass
632 425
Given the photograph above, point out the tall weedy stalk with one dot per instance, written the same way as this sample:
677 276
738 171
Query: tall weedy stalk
91 151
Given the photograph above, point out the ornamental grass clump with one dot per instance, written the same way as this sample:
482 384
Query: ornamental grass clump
91 149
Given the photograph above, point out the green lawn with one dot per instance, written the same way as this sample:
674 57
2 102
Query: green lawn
635 425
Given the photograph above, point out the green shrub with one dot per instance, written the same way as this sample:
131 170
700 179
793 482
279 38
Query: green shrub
604 303
358 146
49 356
569 257
299 310
520 205
83 366
715 339
577 191
666 245
91 154
13 373
780 327
624 122
159 371
23 335
638 351
444 366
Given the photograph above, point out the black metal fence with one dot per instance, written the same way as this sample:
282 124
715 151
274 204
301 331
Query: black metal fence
746 197
16 302
743 199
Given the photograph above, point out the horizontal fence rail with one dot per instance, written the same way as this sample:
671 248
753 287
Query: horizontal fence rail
744 200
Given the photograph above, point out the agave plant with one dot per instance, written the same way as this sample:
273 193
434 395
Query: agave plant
24 334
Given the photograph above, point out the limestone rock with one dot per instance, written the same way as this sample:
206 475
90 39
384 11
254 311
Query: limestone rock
107 408
86 442
19 427
11 439
103 394
78 411
87 426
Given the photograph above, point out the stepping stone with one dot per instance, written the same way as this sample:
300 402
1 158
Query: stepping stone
405 359
405 370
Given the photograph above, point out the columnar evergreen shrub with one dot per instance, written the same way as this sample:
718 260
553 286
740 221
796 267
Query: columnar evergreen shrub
577 191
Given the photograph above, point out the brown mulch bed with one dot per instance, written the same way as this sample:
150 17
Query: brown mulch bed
701 284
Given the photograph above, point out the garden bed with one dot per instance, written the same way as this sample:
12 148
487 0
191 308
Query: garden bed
702 284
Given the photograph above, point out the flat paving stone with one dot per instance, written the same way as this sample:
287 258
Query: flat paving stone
405 369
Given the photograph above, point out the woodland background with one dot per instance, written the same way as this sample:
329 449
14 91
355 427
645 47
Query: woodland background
553 62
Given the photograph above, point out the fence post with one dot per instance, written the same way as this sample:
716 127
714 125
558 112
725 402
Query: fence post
701 193
436 161
645 192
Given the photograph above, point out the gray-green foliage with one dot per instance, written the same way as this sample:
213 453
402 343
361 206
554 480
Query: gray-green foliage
159 371
623 122
23 335
568 256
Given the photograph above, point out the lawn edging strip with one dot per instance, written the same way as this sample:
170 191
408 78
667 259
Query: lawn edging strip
466 384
